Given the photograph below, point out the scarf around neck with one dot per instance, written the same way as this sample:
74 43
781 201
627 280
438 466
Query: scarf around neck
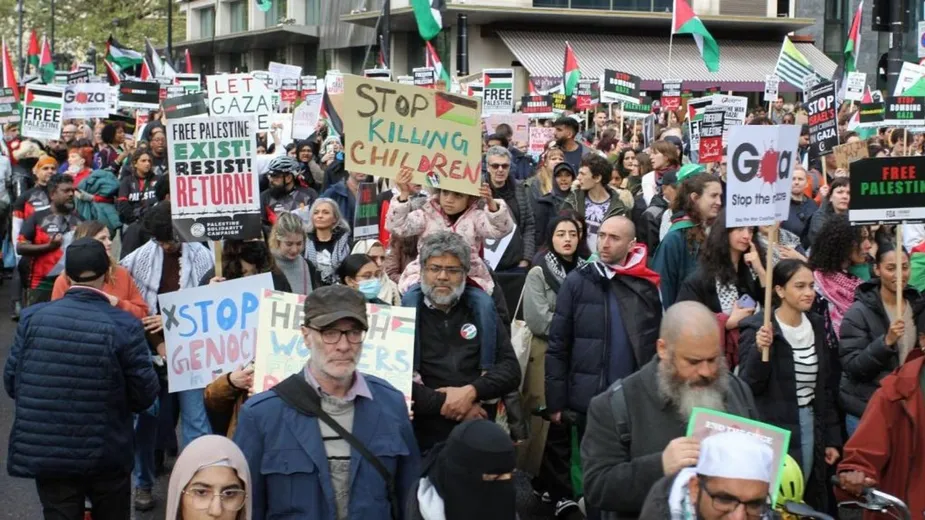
556 268
838 289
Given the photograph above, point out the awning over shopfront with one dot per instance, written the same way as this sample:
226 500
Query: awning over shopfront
743 64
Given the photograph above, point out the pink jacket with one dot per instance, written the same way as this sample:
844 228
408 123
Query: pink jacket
474 225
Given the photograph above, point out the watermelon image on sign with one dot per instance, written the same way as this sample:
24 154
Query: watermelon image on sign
457 109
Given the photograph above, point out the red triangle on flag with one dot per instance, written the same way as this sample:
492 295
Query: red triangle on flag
30 97
681 15
442 105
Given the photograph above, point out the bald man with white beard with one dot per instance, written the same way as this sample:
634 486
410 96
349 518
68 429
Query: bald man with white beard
636 429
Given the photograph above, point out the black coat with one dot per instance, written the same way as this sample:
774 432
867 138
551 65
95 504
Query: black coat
546 209
576 359
864 356
701 288
773 385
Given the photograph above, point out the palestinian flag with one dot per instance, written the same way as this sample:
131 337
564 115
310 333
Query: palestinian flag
684 21
570 71
853 45
46 65
8 77
855 121
51 98
429 16
792 66
498 79
432 59
457 109
188 61
122 57
145 74
33 52
112 74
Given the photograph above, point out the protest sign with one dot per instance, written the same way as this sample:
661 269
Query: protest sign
264 76
144 95
211 330
854 87
809 82
518 123
187 105
771 88
736 109
366 215
190 82
711 135
383 74
539 136
587 95
559 102
494 249
537 106
288 90
405 80
308 85
887 190
334 83
845 154
871 114
391 128
284 71
695 111
78 76
86 100
173 91
60 77
823 120
671 94
424 77
498 91
9 106
705 422
388 350
232 95
760 161
620 87
42 112
474 89
648 129
639 110
908 76
904 111
214 192
306 115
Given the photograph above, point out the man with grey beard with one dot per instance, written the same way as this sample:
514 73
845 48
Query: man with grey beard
463 356
636 429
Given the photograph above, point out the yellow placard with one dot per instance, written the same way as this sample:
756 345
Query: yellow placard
845 154
390 128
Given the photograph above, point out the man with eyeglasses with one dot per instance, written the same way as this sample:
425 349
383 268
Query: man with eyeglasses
463 357
300 466
522 246
731 481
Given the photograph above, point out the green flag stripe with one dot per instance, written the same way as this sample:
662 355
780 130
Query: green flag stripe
498 84
45 104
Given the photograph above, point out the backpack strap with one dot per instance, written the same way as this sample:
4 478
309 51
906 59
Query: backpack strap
297 393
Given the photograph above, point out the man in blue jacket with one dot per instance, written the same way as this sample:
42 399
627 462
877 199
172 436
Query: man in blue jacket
344 193
301 467
79 367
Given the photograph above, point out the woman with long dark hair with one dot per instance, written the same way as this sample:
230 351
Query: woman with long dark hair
695 207
136 191
360 272
792 390
838 247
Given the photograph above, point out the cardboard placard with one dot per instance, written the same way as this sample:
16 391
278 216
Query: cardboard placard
760 159
823 120
539 136
240 95
393 128
847 153
211 330
620 87
214 192
366 214
537 106
887 190
497 91
42 112
518 122
854 87
86 100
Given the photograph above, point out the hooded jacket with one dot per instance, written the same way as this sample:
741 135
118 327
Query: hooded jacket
865 358
674 261
475 224
621 202
546 208
887 444
578 354
203 452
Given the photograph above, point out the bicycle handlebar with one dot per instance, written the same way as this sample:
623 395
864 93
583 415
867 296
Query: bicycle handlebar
875 500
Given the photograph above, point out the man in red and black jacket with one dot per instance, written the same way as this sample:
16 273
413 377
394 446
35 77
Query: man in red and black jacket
284 193
45 235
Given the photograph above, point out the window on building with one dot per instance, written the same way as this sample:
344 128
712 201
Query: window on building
312 12
657 6
277 12
550 3
835 32
236 62
237 13
207 22
632 5
591 4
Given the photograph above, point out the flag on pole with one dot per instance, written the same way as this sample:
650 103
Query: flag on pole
9 70
112 74
33 52
855 121
432 59
792 66
154 61
122 57
189 62
46 65
146 74
429 16
684 21
853 45
570 71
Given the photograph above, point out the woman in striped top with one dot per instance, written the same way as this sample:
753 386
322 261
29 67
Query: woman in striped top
793 390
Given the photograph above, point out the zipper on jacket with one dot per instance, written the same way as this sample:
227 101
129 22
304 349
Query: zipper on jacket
605 355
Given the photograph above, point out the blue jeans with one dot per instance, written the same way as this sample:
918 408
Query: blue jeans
807 438
194 422
851 424
145 435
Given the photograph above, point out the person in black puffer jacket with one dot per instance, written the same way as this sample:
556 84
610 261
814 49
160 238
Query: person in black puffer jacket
867 349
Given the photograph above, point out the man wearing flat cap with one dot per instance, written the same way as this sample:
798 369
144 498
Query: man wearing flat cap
302 464
78 369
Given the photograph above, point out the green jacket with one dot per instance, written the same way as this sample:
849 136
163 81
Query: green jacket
621 202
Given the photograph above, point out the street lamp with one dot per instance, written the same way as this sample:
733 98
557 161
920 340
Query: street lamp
91 56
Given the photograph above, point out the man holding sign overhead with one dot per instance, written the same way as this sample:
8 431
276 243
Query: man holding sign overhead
330 439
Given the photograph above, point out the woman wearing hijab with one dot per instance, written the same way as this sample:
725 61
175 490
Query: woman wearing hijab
388 290
470 476
547 206
210 480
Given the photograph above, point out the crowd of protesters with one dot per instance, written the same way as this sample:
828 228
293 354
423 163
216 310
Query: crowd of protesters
642 306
